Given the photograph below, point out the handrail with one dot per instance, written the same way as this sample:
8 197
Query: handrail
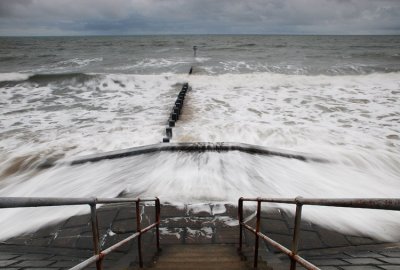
15 202
375 203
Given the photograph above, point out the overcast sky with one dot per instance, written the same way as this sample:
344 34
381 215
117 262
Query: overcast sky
130 17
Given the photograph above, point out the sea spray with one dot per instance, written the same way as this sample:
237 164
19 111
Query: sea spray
210 177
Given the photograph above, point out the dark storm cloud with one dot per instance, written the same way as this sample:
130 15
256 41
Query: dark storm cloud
49 17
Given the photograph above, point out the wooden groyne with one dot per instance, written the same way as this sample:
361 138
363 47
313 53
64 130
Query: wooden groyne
176 110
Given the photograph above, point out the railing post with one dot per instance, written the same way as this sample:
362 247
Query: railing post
257 231
95 233
296 234
158 212
138 229
240 217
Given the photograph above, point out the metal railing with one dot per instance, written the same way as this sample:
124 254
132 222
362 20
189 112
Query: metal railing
386 204
17 202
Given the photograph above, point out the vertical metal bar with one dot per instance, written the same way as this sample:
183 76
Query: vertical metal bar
95 233
138 229
296 234
257 231
240 214
158 212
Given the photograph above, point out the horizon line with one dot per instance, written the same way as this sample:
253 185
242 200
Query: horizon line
221 34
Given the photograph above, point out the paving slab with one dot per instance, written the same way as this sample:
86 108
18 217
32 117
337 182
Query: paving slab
363 261
36 263
4 263
6 256
391 260
391 253
389 267
361 267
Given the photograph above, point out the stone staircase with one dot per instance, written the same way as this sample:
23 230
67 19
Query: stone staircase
204 257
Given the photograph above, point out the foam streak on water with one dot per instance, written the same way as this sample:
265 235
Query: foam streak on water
243 90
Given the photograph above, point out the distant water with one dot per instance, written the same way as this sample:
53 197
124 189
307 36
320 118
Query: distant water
336 97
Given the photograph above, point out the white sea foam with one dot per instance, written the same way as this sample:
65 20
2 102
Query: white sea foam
79 61
201 59
294 111
171 232
162 63
107 113
64 66
14 76
159 63
351 120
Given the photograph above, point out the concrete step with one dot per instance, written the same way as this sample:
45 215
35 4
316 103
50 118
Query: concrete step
196 249
204 265
205 257
204 253
198 259
197 254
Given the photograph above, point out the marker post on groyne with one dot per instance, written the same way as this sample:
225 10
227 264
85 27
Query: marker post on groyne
194 51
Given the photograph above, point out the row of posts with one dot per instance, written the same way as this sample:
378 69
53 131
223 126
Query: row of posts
176 112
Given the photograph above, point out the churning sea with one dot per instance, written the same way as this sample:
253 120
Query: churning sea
335 97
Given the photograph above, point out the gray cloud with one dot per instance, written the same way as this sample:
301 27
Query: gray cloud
9 8
67 17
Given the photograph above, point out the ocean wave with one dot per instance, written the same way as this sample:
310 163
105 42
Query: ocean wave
46 78
79 62
157 65
246 45
8 58
359 70
247 67
14 76
10 79
46 55
48 63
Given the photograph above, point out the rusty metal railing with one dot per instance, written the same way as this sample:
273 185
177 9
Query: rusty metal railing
385 204
17 202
